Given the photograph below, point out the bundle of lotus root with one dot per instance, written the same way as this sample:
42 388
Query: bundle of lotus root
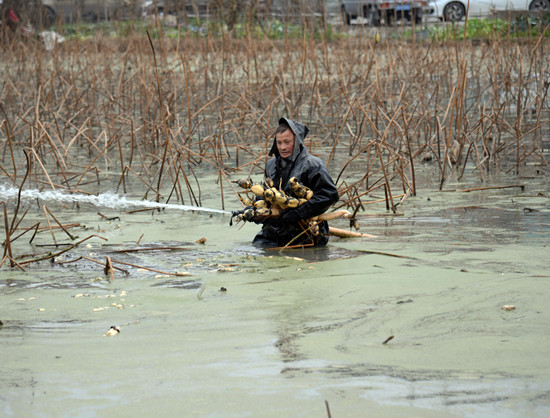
264 200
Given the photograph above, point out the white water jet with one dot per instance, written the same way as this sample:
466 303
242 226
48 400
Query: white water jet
106 200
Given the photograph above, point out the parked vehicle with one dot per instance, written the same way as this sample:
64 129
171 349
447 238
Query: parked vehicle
200 8
189 8
387 11
455 10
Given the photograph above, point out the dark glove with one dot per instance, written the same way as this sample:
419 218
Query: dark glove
258 220
291 216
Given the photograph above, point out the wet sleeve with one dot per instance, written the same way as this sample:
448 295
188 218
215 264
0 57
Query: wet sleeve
325 192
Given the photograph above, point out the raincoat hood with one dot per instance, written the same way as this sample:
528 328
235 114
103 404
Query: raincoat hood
300 132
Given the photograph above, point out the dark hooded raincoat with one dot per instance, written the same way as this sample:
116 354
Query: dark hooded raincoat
311 172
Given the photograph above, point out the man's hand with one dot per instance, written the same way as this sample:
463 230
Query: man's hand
291 216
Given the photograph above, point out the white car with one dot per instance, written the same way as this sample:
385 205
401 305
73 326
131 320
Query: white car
455 10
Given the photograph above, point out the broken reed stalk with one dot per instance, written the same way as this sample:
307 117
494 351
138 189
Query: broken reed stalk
26 230
126 272
519 114
7 128
35 232
149 269
409 150
49 256
122 168
58 223
328 409
387 188
109 270
47 228
16 264
97 157
43 168
7 249
163 115
76 110
521 186
16 211
133 250
305 231
49 224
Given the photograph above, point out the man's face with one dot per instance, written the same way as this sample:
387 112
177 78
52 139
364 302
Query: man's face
285 143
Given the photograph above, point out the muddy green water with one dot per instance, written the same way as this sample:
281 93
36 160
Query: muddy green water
291 330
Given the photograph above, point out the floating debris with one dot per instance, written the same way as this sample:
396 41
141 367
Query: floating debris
387 340
404 301
508 307
114 330
109 270
294 258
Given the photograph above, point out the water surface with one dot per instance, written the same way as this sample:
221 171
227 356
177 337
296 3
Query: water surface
253 332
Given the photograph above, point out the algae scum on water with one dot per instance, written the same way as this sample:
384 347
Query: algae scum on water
205 322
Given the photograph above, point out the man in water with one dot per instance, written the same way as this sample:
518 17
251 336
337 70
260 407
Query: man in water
290 159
